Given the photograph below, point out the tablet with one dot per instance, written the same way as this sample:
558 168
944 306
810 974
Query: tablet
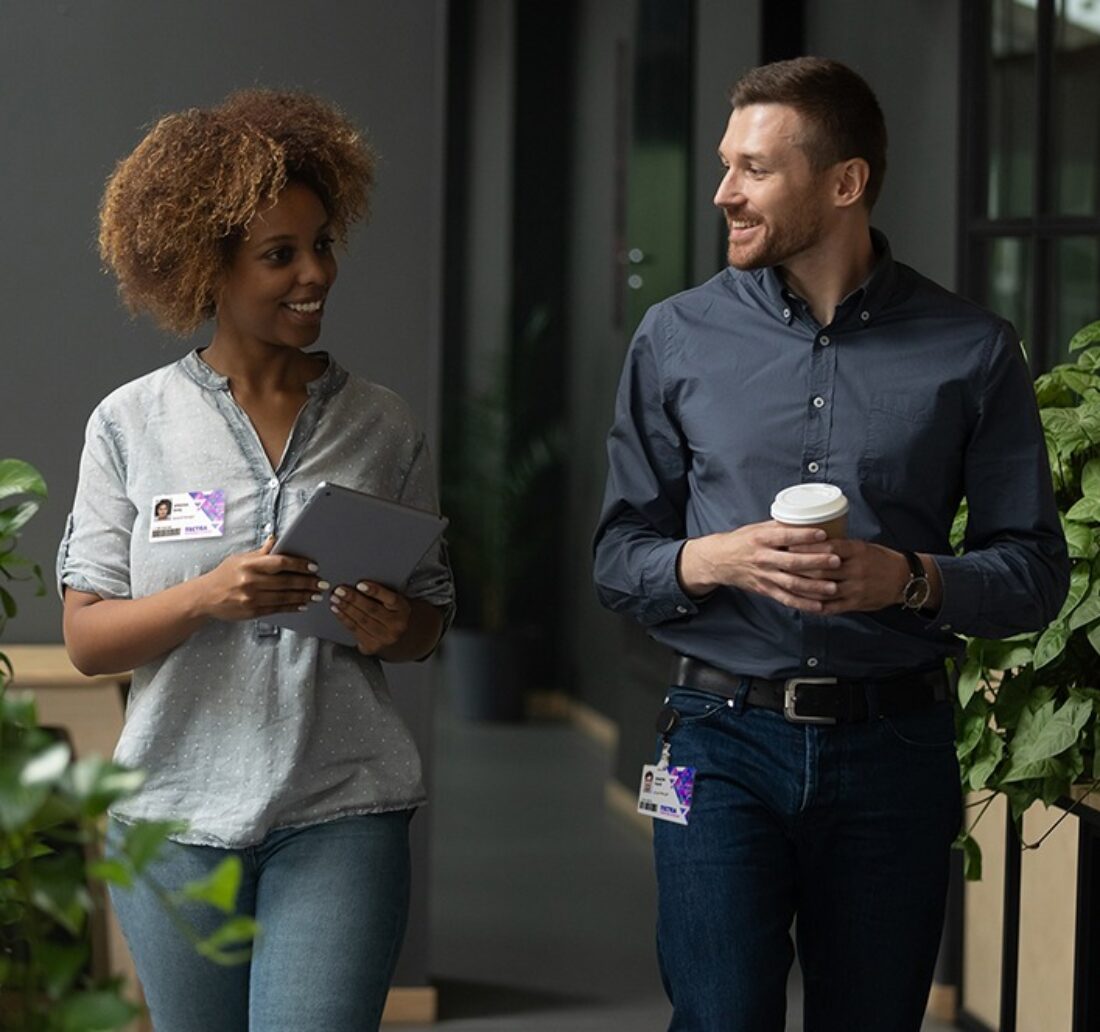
353 536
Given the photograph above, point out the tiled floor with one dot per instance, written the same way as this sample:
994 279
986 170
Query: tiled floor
543 900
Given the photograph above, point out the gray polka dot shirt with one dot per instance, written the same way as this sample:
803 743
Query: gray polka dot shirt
246 727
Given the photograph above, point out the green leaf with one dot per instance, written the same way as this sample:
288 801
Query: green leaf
1079 580
61 963
1052 644
974 725
1089 359
231 943
985 760
113 871
1089 609
58 889
1014 694
972 856
219 888
1081 539
100 1010
1085 336
143 841
1094 638
1007 654
958 526
46 767
969 680
16 517
1090 474
1042 736
97 783
18 802
18 477
1087 509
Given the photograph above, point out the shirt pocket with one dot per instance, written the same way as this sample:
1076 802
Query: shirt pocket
907 440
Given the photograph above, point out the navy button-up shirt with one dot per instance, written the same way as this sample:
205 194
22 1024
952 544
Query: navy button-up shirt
910 399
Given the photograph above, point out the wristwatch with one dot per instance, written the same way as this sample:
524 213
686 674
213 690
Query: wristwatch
917 589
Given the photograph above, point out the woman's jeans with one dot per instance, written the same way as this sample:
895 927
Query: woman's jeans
847 826
331 900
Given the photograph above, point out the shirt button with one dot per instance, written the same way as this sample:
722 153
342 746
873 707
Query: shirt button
786 313
273 483
865 316
811 662
813 467
819 402
824 342
681 609
945 627
269 527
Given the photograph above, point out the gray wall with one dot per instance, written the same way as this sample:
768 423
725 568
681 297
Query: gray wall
911 60
80 81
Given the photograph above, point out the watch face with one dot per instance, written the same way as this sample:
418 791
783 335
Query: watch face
917 592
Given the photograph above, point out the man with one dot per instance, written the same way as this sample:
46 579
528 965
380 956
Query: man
809 693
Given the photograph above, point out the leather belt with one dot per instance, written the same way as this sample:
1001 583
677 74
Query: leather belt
819 700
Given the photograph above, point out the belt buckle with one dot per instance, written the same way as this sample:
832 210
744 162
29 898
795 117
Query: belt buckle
790 700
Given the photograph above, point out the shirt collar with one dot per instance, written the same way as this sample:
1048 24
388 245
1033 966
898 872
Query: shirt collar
866 301
329 382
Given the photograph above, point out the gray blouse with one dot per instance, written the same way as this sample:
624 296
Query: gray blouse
246 727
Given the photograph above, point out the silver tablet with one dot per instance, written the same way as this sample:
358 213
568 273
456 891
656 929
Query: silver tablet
353 536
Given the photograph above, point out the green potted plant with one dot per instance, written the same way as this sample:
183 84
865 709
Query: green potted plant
52 872
497 464
1028 706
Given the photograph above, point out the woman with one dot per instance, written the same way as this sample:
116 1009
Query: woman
282 749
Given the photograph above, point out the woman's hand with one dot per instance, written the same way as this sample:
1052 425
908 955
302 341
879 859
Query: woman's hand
256 584
377 616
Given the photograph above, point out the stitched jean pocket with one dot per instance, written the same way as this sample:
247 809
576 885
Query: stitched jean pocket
695 706
926 729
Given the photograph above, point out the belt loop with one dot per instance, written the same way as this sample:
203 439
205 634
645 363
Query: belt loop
741 695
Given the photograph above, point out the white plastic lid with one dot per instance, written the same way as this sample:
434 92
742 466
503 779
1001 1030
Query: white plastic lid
809 503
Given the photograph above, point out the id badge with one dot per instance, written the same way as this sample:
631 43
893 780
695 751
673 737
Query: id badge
190 514
665 792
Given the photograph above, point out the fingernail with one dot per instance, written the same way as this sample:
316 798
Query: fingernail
364 587
322 585
335 609
316 598
302 609
340 593
312 567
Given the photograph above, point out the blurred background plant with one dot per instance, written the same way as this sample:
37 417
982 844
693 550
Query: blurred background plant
52 869
1028 706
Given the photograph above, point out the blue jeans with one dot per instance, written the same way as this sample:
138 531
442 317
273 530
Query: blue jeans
847 826
331 900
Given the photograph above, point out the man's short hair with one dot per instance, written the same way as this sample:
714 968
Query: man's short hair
841 110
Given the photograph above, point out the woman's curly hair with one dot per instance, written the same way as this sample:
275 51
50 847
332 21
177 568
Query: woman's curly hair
174 210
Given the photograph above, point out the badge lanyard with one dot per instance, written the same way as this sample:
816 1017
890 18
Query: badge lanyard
665 791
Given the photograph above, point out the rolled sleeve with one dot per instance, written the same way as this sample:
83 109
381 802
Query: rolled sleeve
431 579
94 555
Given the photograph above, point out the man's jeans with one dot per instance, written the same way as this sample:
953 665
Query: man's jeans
847 826
331 900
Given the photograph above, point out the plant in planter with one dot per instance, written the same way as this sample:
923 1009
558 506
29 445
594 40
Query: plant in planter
496 471
1028 706
51 871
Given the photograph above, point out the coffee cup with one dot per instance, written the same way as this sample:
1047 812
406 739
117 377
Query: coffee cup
813 505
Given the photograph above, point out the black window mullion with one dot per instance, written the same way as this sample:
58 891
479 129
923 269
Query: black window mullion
973 145
1043 308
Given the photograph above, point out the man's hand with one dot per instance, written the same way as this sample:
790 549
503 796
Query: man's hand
869 576
768 559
